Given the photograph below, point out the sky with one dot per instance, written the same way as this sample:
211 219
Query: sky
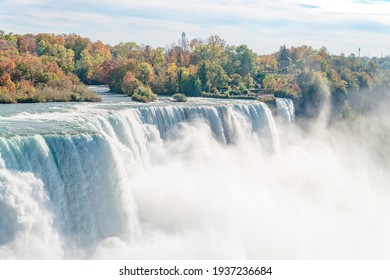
342 26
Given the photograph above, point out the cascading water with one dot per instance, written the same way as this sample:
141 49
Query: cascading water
202 180
285 109
75 177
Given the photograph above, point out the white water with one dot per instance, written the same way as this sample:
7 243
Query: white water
184 181
285 109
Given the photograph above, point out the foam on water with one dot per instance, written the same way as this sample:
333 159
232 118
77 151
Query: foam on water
205 179
84 160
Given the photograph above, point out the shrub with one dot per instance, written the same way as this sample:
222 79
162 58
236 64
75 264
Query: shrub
6 97
143 94
179 97
130 84
74 93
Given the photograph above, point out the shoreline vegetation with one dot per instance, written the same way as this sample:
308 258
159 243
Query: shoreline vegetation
49 68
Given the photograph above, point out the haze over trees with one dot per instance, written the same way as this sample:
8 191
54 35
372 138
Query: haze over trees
39 67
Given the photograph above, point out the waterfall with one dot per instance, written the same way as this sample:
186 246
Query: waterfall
285 109
72 182
26 222
226 122
206 179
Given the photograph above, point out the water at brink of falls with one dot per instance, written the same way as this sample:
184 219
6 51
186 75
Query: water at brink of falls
204 179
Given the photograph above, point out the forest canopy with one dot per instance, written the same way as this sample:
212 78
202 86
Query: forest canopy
49 67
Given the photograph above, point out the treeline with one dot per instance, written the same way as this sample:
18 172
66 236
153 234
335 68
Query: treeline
312 77
32 70
204 67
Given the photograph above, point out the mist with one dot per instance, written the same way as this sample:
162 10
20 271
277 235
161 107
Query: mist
266 189
322 194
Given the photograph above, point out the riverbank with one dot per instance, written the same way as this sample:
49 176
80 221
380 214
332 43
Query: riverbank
43 94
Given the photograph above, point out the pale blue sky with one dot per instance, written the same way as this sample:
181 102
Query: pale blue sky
341 26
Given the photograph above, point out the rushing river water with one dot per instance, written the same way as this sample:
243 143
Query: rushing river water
203 179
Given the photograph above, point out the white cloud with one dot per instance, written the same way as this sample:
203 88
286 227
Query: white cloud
263 25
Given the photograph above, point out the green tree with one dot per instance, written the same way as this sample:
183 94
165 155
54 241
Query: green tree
144 94
245 61
347 113
212 76
145 73
130 84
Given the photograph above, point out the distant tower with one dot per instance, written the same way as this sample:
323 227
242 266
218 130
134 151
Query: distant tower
359 51
183 41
